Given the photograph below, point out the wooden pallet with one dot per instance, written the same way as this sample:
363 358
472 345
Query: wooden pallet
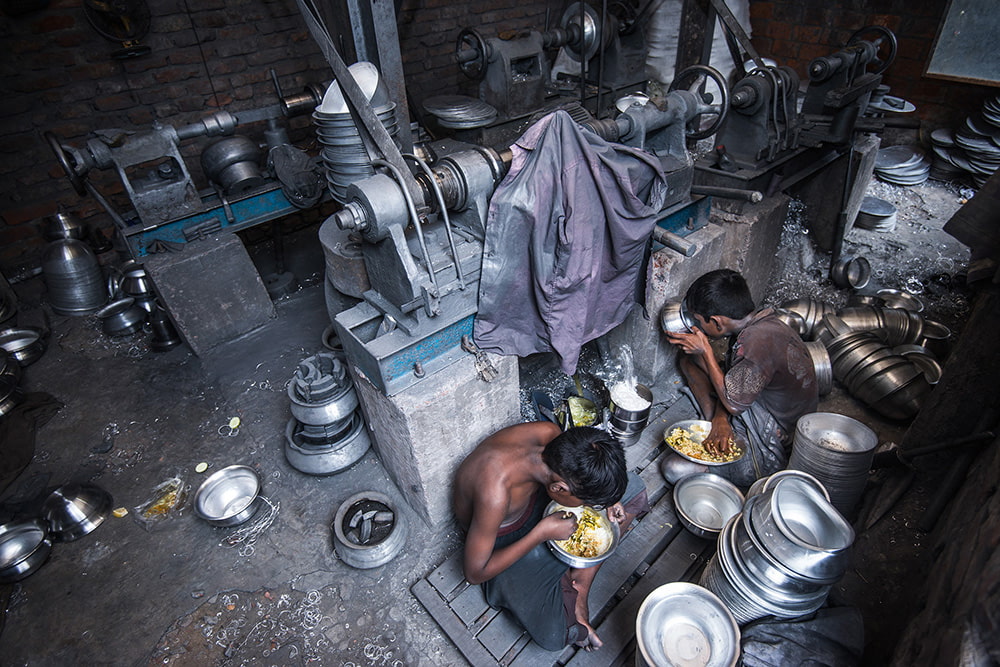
656 550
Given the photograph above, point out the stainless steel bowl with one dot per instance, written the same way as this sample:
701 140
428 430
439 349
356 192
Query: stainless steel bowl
73 510
685 624
25 345
24 547
675 467
579 561
229 496
122 317
765 483
851 272
705 502
675 319
802 529
897 298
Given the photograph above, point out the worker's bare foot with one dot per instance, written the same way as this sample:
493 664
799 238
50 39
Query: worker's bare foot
592 642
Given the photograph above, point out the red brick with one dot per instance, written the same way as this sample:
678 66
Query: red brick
807 34
889 21
53 22
114 102
761 10
27 213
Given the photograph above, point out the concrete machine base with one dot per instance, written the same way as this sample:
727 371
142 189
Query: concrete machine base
423 432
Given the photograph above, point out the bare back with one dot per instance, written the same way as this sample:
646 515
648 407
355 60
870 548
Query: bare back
497 480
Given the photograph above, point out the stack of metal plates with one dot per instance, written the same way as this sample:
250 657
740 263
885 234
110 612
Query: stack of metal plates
902 165
460 112
973 148
876 215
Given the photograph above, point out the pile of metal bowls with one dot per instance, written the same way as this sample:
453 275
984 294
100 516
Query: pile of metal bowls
326 433
343 150
685 624
782 554
869 345
838 451
822 365
810 310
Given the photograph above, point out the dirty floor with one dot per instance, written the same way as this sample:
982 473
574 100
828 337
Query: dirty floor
177 591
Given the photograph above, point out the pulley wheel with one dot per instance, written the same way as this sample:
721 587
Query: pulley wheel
694 80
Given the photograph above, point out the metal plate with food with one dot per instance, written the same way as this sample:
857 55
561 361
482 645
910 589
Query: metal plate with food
595 539
685 438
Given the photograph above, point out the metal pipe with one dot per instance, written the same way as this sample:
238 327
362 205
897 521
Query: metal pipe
752 196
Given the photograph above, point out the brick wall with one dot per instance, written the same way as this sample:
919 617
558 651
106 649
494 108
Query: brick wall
211 54
793 32
58 76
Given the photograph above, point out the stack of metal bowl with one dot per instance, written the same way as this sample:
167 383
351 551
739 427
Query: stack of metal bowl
821 364
838 451
864 361
344 154
782 554
810 310
326 433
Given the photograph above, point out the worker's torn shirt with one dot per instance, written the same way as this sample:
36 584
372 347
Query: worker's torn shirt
565 241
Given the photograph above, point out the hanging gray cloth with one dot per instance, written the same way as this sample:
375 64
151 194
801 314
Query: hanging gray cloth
565 239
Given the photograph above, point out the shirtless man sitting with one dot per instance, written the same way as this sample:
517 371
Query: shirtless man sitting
500 495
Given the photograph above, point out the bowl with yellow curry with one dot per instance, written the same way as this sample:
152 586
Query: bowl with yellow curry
595 539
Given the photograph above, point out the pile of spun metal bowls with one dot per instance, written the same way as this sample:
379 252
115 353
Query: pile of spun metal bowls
705 502
25 545
810 310
821 363
343 150
838 451
229 496
681 623
782 554
326 433
368 531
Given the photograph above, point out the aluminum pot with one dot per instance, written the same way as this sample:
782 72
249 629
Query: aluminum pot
765 483
761 564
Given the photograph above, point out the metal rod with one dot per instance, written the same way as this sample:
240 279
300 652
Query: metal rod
674 241
444 213
752 196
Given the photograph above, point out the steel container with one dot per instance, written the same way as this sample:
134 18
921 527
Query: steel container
705 502
378 544
24 547
679 620
73 277
229 496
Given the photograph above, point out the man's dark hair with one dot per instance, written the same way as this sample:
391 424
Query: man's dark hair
720 292
592 463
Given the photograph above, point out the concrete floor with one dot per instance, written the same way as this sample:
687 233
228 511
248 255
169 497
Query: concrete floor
182 592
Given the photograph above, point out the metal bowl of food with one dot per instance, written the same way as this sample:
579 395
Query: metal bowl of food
685 438
229 497
595 539
705 502
24 547
685 624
